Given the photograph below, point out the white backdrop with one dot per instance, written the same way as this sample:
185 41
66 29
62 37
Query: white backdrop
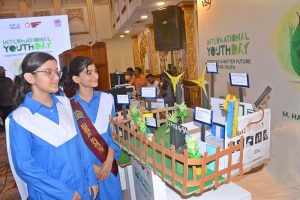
20 36
256 37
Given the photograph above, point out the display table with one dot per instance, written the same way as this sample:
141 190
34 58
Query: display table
228 191
165 169
142 183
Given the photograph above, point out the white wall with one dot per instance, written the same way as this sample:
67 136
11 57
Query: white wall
270 26
119 54
103 21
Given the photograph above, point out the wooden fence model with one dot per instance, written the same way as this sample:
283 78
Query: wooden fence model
162 114
175 169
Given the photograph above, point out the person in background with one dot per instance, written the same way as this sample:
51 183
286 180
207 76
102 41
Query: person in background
166 90
139 79
93 110
151 82
63 82
6 85
129 74
48 158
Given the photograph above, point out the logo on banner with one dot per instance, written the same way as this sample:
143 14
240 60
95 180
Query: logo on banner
287 46
32 24
14 26
229 50
26 44
35 24
206 4
57 23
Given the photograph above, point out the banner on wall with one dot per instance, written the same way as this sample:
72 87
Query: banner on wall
263 44
20 36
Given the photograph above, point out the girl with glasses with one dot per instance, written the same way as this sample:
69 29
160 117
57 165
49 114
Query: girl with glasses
92 110
47 157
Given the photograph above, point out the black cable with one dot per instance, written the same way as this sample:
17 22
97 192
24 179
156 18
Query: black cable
5 177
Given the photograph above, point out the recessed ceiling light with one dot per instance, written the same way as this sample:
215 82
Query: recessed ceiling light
127 31
144 17
161 3
122 36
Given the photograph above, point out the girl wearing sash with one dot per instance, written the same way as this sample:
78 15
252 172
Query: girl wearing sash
96 107
49 160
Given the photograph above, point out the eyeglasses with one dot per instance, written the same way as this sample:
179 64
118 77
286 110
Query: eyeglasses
50 73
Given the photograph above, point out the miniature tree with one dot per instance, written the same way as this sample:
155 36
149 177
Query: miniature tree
137 119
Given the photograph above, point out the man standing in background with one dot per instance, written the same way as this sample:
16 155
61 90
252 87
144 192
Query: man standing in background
5 94
151 82
139 79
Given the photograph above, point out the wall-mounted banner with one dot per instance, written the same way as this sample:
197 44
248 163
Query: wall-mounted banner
272 29
263 44
20 36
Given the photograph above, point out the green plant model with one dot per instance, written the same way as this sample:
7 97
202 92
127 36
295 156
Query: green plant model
192 147
137 118
295 47
180 113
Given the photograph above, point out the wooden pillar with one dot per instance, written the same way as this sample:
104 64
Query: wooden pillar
23 8
57 7
136 52
92 20
154 56
192 70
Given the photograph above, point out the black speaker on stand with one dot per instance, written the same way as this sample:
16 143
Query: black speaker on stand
168 25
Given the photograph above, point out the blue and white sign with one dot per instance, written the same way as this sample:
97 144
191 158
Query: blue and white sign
143 183
123 99
203 116
239 79
151 122
148 92
212 67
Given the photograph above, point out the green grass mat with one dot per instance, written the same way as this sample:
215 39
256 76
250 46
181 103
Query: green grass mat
163 133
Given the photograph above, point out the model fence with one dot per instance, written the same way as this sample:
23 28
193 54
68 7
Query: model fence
175 169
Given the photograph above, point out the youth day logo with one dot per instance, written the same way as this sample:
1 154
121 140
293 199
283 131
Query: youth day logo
287 45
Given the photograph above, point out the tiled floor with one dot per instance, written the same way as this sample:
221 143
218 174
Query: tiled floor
10 191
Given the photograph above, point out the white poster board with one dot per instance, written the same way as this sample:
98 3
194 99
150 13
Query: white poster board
203 115
239 79
142 178
255 128
20 36
212 67
148 92
123 99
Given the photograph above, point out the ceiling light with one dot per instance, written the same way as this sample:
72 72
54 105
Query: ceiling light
161 3
127 31
122 36
144 17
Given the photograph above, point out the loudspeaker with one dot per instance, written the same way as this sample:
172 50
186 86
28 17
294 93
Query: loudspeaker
168 25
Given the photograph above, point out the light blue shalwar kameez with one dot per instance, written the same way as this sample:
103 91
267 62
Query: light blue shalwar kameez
50 172
110 188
